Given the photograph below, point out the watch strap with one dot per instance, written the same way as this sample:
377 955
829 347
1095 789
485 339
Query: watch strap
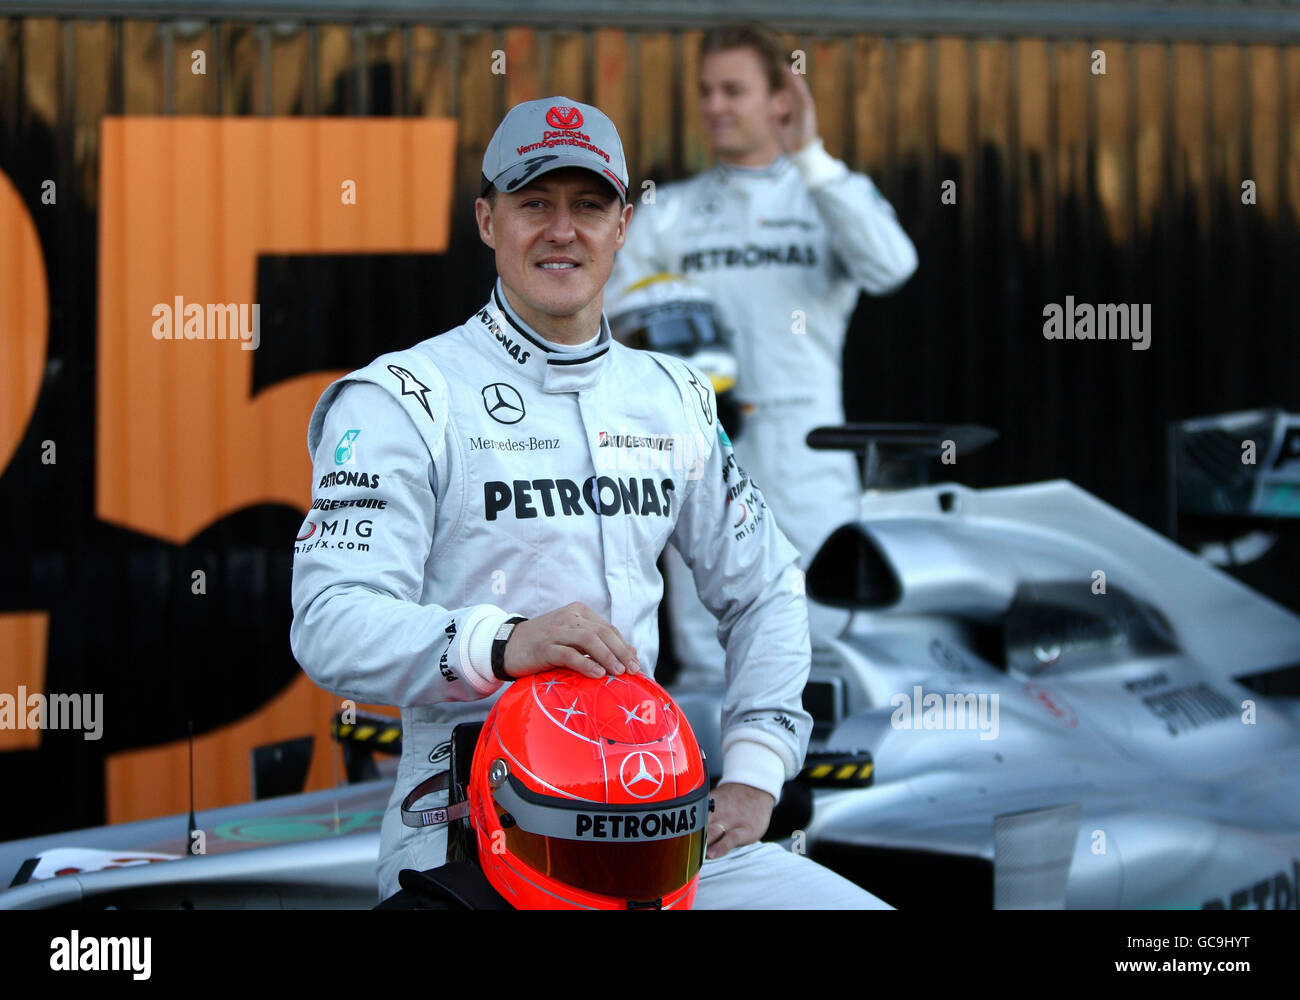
499 651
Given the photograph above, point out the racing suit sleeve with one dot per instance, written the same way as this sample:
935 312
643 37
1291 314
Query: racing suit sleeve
747 575
640 255
359 627
864 231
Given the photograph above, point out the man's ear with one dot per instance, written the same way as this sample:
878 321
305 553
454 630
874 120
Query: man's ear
623 223
781 106
483 215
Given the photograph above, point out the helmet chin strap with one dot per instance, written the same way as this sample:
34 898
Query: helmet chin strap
438 816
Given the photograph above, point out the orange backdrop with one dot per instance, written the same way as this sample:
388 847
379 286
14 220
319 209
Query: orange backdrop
187 205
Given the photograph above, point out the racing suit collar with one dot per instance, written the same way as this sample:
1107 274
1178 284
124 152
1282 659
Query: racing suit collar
769 171
519 349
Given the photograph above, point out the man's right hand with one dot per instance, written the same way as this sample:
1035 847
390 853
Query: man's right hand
573 636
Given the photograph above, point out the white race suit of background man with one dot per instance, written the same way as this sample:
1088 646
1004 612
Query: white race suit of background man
784 237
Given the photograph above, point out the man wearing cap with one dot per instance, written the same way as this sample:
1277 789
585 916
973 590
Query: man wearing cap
784 237
492 501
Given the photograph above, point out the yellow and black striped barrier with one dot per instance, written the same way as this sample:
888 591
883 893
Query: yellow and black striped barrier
374 732
838 770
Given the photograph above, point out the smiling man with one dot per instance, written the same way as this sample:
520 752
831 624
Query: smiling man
489 532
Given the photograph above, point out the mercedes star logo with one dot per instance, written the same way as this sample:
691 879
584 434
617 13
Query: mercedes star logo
503 403
642 774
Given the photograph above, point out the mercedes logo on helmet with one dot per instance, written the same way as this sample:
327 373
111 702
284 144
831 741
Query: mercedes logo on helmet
503 403
642 774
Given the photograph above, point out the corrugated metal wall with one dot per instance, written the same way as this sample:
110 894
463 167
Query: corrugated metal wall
1122 187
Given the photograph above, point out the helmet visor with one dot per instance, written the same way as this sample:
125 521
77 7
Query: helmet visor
637 852
677 328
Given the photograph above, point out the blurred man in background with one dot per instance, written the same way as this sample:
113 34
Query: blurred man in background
784 236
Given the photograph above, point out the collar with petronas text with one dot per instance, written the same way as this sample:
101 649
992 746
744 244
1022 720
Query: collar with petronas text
517 348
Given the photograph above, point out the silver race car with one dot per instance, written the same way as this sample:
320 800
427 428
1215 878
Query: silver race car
1052 695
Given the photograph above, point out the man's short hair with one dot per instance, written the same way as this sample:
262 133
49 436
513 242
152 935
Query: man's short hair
771 54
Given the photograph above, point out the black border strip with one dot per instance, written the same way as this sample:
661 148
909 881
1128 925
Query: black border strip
585 805
1214 20
577 361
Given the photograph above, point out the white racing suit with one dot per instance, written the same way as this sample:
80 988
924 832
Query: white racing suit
784 250
480 475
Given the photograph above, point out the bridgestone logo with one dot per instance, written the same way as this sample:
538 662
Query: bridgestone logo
659 442
368 503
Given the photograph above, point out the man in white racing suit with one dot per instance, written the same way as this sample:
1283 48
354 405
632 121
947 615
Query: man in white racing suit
492 502
784 237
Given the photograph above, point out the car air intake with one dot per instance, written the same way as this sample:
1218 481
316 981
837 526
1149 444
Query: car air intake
849 571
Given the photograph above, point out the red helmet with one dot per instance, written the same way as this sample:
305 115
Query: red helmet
589 793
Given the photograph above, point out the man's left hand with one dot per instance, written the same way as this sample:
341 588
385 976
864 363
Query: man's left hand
740 816
800 127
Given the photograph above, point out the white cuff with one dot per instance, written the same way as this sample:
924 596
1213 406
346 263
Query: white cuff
481 626
816 166
749 763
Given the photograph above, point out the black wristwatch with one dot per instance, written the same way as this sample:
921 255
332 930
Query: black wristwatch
499 647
